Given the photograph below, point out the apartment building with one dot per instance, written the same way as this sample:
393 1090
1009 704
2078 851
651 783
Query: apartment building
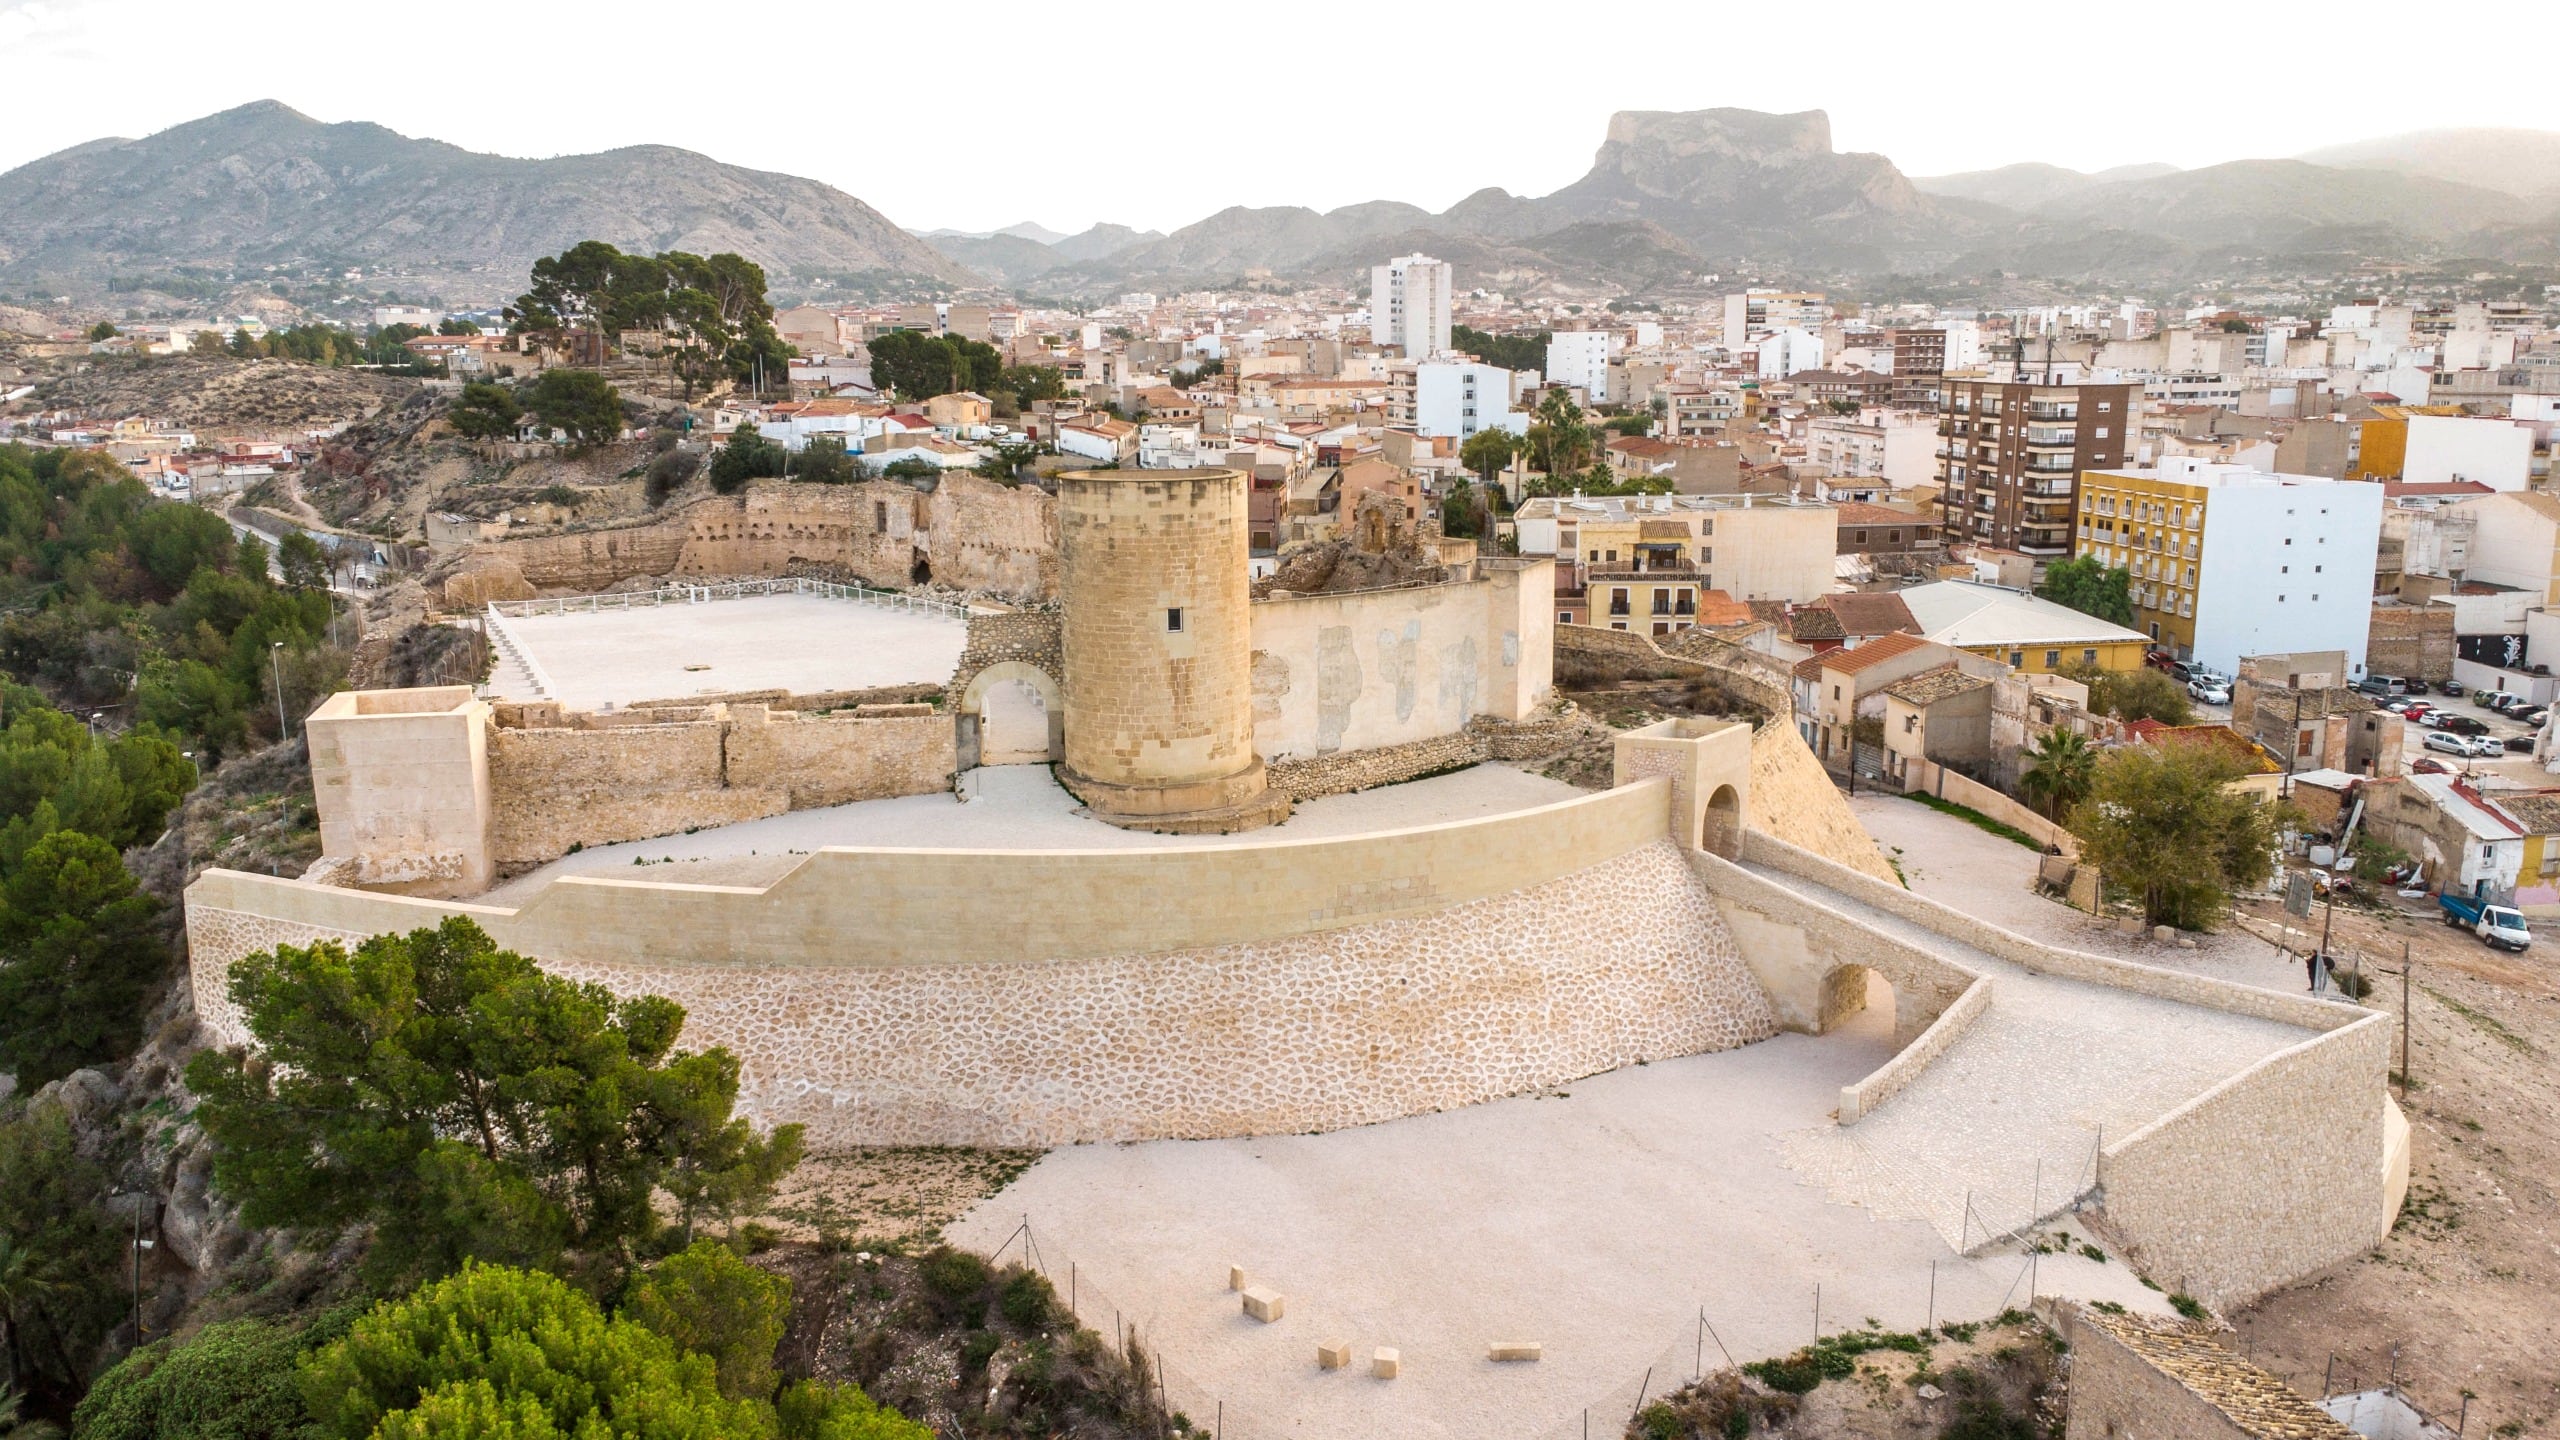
1580 358
1409 305
2011 455
2439 443
1459 398
1646 560
2227 561
1919 366
1756 312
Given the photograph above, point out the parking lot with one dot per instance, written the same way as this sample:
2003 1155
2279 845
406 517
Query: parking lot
2512 767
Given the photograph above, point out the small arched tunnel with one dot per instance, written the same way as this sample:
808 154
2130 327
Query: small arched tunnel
1016 714
1720 829
1856 997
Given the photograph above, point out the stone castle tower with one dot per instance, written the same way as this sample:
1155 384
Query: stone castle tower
1157 648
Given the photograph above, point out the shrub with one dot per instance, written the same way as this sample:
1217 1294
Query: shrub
668 472
234 1381
707 1299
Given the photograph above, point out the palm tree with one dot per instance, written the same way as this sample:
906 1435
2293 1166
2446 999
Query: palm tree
2060 770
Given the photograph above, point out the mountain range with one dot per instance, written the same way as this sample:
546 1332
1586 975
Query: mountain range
1669 197
264 185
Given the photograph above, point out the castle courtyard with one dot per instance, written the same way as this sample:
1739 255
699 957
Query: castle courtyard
606 657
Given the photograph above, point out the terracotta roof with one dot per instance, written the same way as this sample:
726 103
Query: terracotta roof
2257 1403
1716 608
1810 667
2241 747
1875 652
1773 611
1876 613
2538 813
1859 512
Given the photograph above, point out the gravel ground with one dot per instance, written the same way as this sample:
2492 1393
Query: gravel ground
800 643
1596 1219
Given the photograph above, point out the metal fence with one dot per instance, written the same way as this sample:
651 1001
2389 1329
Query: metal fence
731 590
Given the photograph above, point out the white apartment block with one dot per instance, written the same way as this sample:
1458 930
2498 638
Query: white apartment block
1460 399
2495 453
1899 447
1755 313
1788 352
1580 358
1409 305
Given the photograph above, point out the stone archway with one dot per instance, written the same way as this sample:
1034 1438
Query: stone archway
1019 716
1857 995
1720 829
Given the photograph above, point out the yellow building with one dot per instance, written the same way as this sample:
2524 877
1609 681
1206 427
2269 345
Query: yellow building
2151 524
2382 442
2035 636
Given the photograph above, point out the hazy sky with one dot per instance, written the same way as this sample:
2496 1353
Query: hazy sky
979 115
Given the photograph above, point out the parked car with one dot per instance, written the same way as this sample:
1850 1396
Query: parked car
2484 747
2158 659
2413 709
2425 765
2382 685
2453 724
2439 741
2501 927
2209 691
2181 671
2534 717
2450 687
2504 703
2520 744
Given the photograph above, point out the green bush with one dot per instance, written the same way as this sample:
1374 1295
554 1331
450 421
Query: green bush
238 1380
707 1299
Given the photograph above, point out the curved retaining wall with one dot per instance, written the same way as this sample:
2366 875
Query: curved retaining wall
1045 997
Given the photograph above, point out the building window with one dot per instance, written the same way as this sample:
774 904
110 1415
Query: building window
1173 620
2017 659
2089 656
1618 603
2053 659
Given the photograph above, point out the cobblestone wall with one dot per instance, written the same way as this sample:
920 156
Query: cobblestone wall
1617 962
1028 637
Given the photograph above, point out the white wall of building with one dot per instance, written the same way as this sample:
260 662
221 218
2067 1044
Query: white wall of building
1409 305
2287 565
1580 358
1789 352
2495 453
1460 400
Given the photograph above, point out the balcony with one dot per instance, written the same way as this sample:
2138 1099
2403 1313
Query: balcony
2047 410
1656 570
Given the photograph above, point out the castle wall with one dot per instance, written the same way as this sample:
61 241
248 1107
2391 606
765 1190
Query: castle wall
401 780
995 998
1368 669
591 781
971 533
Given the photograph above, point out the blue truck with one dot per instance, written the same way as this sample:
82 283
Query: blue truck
2501 927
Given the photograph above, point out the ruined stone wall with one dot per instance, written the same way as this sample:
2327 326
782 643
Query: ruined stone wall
2410 640
555 788
967 533
561 780
1028 637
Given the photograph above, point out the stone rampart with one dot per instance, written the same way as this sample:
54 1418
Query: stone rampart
1022 637
1371 669
966 532
2278 1171
1018 998
562 781
1797 946
1887 1080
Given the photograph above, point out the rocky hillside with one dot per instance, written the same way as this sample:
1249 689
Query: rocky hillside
215 395
263 185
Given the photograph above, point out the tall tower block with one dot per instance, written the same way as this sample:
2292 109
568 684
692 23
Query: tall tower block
1158 650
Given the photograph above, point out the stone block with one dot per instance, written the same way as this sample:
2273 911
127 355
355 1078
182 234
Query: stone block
1514 1350
1333 1355
1264 1303
1385 1363
2165 934
1235 1277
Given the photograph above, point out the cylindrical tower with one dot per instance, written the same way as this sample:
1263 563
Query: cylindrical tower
1157 649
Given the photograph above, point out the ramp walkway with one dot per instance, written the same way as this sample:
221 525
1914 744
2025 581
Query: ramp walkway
2004 1128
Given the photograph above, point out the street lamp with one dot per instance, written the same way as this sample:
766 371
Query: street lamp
275 653
139 1245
